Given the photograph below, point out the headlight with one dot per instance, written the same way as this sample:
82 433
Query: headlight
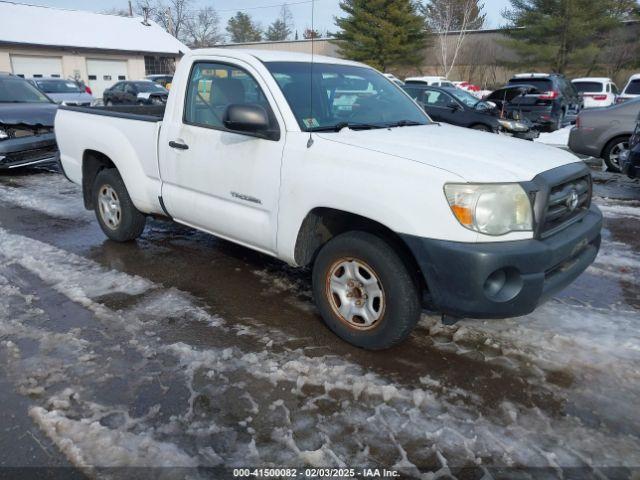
513 125
492 209
3 134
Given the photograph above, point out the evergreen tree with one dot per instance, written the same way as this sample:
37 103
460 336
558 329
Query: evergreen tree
241 28
381 33
467 14
562 33
280 29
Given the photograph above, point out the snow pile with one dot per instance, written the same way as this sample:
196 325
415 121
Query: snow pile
51 194
559 138
69 273
88 444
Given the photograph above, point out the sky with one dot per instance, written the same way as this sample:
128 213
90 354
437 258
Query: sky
263 11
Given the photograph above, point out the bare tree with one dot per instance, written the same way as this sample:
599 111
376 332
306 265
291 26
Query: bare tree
203 28
172 15
450 23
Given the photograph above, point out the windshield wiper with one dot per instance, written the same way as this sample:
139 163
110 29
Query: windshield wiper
404 123
342 125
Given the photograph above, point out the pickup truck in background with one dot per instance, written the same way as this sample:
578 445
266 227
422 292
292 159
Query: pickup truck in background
393 211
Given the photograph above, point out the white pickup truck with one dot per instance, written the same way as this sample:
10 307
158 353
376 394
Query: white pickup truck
329 164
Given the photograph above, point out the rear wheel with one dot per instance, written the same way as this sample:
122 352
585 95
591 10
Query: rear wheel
119 219
613 150
365 292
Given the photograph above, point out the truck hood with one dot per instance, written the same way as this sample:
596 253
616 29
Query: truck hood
473 155
29 114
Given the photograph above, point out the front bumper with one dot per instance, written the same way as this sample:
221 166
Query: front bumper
24 151
504 279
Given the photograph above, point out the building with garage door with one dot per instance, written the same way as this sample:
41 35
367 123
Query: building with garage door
100 49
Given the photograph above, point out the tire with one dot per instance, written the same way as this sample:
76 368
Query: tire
482 128
612 151
119 219
392 294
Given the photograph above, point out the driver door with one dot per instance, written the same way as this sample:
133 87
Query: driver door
214 179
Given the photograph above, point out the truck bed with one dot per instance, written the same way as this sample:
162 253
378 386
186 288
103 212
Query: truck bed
126 135
145 113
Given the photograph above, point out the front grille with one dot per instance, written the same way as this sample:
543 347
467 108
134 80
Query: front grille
33 155
568 202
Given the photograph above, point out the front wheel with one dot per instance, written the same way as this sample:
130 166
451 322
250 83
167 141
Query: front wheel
119 219
365 292
613 150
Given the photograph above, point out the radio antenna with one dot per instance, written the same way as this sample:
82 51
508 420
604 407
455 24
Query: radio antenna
311 120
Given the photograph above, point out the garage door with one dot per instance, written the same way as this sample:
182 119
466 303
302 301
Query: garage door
36 67
104 73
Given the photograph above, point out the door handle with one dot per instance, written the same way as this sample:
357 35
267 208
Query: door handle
179 146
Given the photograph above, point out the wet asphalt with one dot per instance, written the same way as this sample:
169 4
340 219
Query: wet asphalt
124 366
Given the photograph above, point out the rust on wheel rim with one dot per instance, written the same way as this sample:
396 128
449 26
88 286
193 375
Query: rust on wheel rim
355 293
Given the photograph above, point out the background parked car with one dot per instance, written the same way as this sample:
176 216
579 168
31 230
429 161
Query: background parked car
631 90
605 132
26 124
65 92
141 92
432 81
555 103
162 80
457 107
596 91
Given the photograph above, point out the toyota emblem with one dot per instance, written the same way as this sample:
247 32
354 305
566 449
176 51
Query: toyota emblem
572 201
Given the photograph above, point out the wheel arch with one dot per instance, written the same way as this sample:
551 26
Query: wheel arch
322 224
619 136
93 162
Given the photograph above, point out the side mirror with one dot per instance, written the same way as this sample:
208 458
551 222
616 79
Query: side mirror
246 118
454 107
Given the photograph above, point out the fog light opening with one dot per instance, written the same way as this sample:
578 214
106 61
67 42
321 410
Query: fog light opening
503 284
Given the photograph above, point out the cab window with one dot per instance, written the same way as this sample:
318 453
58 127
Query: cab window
213 87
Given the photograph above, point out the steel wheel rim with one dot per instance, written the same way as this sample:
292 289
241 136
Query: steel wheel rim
109 205
616 151
355 293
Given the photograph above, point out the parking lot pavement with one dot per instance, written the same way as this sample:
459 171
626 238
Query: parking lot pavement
181 350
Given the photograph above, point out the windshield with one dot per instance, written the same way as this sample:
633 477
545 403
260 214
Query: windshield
465 97
150 87
17 90
633 88
589 87
58 86
343 94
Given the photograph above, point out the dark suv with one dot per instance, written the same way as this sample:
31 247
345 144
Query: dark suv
552 104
